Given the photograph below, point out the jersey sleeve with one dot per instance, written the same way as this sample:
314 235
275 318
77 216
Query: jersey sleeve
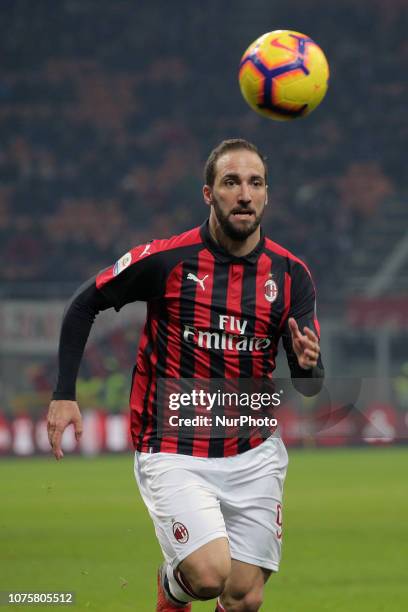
139 275
303 310
303 298
77 322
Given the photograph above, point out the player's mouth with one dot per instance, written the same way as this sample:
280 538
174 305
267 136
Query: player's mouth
243 214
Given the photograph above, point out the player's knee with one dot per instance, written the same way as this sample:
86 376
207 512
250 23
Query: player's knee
252 602
207 570
209 589
240 601
209 582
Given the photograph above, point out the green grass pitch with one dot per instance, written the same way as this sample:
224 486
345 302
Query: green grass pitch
80 525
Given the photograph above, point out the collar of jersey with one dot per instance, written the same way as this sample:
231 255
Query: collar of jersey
223 255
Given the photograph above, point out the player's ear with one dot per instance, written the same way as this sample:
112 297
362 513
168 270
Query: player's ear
207 193
266 196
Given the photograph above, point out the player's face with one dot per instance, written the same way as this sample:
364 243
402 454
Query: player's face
238 196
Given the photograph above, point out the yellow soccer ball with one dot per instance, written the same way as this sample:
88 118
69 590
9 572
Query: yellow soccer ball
283 75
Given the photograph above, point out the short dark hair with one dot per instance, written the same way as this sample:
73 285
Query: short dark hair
232 144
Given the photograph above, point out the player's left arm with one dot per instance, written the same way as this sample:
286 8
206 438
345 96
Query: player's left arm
305 343
301 335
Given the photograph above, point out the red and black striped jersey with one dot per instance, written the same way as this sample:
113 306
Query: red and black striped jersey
209 315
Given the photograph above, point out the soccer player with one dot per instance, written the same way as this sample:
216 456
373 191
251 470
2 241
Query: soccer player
218 297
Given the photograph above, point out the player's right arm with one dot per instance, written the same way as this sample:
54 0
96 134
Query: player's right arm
138 275
77 322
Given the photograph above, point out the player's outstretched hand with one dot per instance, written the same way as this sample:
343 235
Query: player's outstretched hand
62 413
306 345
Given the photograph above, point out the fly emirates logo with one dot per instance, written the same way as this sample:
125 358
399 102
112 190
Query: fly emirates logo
231 336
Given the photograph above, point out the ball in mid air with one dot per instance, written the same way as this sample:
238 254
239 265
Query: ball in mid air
283 75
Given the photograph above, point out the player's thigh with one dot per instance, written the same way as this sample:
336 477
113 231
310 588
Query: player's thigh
252 506
184 507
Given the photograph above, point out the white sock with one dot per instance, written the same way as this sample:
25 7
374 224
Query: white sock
220 606
175 588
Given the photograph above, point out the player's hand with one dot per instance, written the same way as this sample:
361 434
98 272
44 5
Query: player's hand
306 345
62 413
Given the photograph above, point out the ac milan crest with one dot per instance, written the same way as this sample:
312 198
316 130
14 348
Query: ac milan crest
180 532
271 290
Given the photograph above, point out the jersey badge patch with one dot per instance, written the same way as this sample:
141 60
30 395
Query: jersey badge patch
122 263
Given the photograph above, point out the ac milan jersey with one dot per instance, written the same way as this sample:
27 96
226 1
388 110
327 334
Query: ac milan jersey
209 315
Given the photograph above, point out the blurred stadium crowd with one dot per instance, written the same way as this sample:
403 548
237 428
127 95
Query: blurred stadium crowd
109 109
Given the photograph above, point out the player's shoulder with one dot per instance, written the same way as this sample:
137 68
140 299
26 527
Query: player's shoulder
191 237
154 259
178 243
293 261
279 250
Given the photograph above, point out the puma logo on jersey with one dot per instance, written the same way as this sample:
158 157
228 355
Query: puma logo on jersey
146 250
200 281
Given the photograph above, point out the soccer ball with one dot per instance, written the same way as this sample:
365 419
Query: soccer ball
283 75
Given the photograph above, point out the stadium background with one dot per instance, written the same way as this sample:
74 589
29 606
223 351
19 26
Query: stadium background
108 111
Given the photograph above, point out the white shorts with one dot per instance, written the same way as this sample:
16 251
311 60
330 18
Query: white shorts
193 500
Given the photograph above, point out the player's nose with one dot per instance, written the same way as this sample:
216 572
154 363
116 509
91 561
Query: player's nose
244 194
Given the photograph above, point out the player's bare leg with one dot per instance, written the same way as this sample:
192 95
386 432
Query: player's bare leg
208 568
200 576
244 588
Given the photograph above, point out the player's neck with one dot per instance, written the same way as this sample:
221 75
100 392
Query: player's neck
237 248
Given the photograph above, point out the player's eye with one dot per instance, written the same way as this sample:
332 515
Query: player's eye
229 182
